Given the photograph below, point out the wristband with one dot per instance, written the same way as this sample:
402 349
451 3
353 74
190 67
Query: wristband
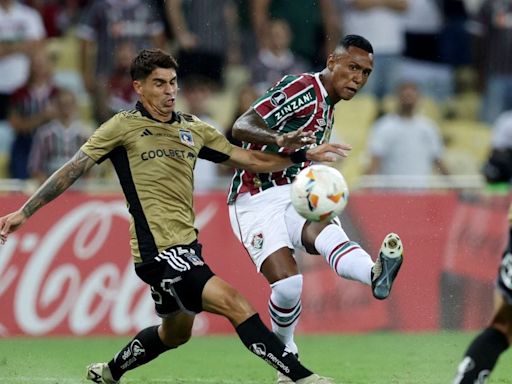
299 156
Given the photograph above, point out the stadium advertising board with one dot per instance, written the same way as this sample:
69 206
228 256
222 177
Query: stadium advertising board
68 271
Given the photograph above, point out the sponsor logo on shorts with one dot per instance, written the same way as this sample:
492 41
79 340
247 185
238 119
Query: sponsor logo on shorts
257 241
194 259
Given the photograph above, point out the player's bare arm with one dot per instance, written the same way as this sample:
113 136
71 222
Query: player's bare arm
251 128
259 162
57 183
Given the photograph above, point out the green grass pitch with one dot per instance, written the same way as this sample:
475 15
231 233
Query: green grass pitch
377 358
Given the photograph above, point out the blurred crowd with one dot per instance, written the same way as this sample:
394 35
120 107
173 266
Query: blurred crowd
442 73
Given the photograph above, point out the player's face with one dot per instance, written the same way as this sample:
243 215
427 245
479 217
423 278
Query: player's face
349 72
158 92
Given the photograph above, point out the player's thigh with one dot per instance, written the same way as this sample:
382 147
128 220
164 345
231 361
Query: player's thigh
259 223
221 298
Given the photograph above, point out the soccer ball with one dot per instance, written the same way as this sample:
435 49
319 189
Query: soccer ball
319 193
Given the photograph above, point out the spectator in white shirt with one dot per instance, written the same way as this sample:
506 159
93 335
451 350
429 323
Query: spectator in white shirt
404 142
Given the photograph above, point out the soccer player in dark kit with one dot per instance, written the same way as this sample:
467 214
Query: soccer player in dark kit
154 150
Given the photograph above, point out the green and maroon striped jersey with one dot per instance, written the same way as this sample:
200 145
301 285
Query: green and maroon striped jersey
294 102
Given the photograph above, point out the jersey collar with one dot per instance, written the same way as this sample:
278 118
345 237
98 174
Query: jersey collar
322 88
140 107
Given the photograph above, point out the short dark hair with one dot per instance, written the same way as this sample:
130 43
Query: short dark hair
356 41
148 60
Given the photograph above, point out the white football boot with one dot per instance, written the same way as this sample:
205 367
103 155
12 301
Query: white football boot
100 373
283 379
315 379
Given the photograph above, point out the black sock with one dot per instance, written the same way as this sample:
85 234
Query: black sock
142 349
263 343
481 356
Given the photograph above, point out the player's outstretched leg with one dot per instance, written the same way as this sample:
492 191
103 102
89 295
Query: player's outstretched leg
387 265
143 348
481 357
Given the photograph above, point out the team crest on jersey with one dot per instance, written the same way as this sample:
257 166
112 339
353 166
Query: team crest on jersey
186 137
278 98
257 241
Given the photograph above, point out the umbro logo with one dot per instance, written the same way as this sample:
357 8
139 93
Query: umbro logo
146 132
94 376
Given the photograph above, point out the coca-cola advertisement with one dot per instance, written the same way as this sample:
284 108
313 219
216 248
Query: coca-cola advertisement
69 270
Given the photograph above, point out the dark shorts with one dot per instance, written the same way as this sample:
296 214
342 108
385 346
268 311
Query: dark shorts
177 277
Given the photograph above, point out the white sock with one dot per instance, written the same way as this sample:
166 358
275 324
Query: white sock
345 257
284 308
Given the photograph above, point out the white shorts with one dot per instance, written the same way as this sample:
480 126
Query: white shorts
266 222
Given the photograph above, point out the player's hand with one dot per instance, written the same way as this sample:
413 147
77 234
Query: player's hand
328 152
10 223
296 139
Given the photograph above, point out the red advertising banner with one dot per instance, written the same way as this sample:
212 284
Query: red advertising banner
69 271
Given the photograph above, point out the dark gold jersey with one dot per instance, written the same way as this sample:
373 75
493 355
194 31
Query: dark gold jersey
154 162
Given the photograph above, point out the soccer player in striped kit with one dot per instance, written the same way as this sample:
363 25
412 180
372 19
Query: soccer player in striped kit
261 213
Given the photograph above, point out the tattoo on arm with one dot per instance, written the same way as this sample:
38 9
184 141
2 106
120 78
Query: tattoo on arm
57 183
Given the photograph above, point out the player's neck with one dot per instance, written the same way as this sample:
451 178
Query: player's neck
154 113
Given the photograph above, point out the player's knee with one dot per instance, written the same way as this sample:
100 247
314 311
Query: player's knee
287 291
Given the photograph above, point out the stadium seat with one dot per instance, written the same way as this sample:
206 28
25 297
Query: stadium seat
4 160
352 120
467 145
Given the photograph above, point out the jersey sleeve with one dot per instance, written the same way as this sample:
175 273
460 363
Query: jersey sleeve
107 137
216 146
281 102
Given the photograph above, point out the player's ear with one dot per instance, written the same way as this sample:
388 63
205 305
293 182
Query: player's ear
331 61
137 86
